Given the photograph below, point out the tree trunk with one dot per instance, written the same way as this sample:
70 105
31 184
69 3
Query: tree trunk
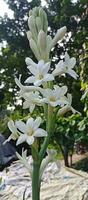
65 154
70 160
66 162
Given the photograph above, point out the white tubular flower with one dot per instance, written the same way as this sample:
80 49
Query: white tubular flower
15 134
49 158
32 99
59 35
24 161
40 73
51 154
67 107
66 67
56 96
25 89
30 130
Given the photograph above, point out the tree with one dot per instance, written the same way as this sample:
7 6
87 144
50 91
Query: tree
74 16
66 135
12 57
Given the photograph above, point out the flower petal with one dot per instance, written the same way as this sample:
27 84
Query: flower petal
48 77
33 69
37 122
32 107
46 68
67 58
29 62
30 79
21 126
38 82
72 73
40 133
30 123
72 63
12 127
21 139
40 65
30 140
59 68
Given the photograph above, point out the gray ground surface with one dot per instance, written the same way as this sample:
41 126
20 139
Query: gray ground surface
56 184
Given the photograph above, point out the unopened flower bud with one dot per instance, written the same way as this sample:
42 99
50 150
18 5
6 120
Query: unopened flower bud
42 40
59 35
32 26
50 158
30 13
63 110
39 23
34 48
35 11
29 35
45 24
48 42
44 20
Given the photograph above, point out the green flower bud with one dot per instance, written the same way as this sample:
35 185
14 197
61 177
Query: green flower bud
45 23
42 40
29 35
42 44
44 20
48 42
34 48
35 11
30 13
32 26
41 15
39 24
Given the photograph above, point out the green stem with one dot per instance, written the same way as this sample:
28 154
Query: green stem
50 119
50 127
35 181
44 147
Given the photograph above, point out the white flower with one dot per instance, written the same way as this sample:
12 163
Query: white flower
56 96
40 72
25 89
32 99
30 130
67 107
23 159
13 129
66 67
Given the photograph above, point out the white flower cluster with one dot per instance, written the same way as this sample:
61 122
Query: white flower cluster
38 90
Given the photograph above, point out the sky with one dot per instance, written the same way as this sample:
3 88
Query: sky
4 8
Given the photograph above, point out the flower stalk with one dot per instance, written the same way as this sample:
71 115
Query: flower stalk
35 181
